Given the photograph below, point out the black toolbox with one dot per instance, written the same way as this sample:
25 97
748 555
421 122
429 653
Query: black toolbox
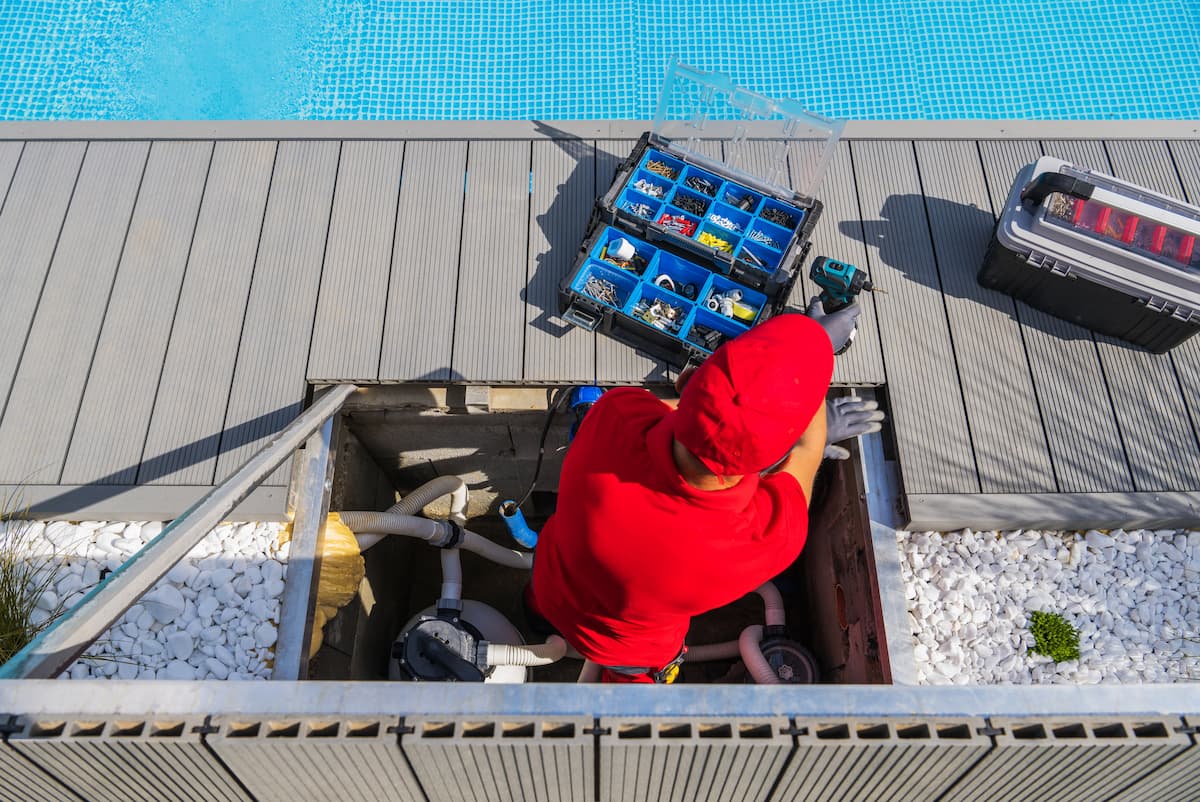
684 252
1109 255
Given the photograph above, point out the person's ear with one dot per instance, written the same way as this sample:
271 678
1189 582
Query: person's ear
683 378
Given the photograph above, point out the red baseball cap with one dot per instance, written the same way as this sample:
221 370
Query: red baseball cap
748 404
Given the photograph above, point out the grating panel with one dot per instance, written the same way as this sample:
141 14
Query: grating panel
1070 759
22 781
893 759
502 760
1177 779
116 760
288 759
691 759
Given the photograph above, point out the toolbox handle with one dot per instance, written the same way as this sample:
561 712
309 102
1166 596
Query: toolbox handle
1048 183
581 318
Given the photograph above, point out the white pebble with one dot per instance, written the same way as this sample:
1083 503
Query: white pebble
165 603
217 668
181 645
207 606
264 635
179 669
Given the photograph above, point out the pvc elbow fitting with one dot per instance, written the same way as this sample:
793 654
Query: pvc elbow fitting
514 519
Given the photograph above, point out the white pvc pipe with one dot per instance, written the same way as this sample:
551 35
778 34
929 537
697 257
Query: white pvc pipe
773 611
706 652
437 533
760 670
414 502
502 654
590 672
451 576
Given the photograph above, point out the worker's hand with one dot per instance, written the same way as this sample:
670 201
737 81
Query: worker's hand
839 325
846 417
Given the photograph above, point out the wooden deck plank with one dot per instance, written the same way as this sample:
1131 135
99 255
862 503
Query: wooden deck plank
1081 425
193 393
1155 427
564 191
419 329
33 214
489 314
349 324
928 417
106 446
54 369
839 234
1186 156
616 362
1002 410
10 155
268 381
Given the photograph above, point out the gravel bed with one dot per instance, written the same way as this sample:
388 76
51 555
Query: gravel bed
1134 598
213 616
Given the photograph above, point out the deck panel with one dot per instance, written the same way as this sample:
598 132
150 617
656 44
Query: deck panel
1186 156
839 234
193 394
33 214
617 363
358 256
268 382
44 403
419 328
106 447
1155 427
1080 425
10 155
930 422
489 315
1002 410
564 190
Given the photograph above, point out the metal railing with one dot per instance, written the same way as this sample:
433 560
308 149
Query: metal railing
66 639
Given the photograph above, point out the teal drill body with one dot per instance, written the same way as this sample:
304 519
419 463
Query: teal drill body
840 282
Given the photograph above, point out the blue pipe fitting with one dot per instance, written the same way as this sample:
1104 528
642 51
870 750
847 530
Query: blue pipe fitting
514 519
582 399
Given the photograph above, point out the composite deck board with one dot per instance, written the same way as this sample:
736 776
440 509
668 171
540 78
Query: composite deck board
1186 156
268 382
10 154
490 312
1155 427
1002 410
564 191
839 234
33 214
928 416
54 369
358 256
1077 413
616 362
106 446
193 394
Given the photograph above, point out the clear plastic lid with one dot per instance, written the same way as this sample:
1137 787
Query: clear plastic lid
696 105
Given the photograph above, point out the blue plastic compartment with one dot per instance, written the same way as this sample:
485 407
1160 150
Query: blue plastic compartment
720 233
764 258
680 271
733 194
650 294
721 285
739 220
706 319
675 212
625 283
657 155
631 200
645 251
767 235
653 185
689 197
701 181
797 215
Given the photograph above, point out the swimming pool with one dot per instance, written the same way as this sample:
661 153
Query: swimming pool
579 59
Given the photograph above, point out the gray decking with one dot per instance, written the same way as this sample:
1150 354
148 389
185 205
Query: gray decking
169 300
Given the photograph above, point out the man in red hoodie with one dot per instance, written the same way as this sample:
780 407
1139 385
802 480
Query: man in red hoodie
670 509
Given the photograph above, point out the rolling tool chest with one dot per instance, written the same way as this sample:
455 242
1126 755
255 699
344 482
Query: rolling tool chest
685 251
1101 252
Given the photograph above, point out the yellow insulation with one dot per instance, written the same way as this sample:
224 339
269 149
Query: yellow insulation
342 570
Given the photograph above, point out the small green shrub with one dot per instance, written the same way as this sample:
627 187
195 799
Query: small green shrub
24 576
1054 637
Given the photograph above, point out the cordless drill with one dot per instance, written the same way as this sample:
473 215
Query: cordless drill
840 284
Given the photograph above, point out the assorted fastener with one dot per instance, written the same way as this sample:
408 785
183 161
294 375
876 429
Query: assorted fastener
731 304
778 217
642 210
713 241
662 168
659 314
745 202
677 222
724 222
709 339
602 290
702 184
763 239
649 188
691 204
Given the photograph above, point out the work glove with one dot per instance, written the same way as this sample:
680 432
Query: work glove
846 417
838 325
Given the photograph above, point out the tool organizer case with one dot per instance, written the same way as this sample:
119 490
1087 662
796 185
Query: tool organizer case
1101 252
725 232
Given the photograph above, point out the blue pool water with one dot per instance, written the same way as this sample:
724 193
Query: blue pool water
575 59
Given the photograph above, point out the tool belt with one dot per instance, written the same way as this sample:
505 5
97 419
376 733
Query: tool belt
661 676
